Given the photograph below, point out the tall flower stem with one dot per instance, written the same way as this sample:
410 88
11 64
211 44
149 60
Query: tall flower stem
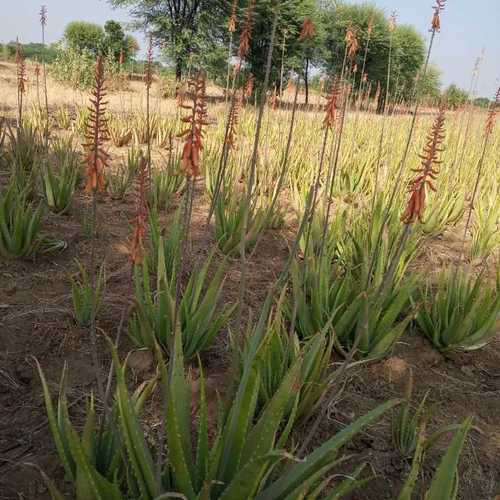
489 126
332 171
435 26
253 163
148 82
43 23
96 160
382 130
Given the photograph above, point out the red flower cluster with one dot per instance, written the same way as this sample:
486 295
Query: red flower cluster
426 174
190 160
246 32
492 114
231 25
332 104
351 42
308 31
233 121
248 90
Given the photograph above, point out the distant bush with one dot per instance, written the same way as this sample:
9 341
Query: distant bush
76 68
31 51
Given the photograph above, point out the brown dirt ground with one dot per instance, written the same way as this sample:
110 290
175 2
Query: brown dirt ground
36 322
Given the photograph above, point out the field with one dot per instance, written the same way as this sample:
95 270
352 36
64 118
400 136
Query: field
37 313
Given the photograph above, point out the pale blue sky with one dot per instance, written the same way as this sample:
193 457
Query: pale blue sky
467 27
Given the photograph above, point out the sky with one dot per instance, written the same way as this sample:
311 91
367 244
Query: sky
467 27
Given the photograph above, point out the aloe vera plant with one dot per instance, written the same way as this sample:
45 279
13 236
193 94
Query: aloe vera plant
459 312
59 186
278 351
444 211
356 247
23 157
20 224
95 457
486 226
230 213
445 482
119 181
165 247
241 461
155 312
407 423
322 295
83 295
165 183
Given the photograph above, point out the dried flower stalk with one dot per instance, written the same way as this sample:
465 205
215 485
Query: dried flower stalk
436 21
141 214
43 24
351 42
248 90
246 32
332 104
43 15
233 121
193 144
427 172
231 25
148 81
97 133
393 21
148 69
21 81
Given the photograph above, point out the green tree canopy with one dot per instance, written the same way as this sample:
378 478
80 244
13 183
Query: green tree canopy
337 19
369 22
297 56
181 27
80 35
111 41
408 59
116 43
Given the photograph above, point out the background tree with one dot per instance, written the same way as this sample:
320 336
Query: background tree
429 87
408 47
292 15
80 35
182 27
336 19
455 96
35 51
116 43
114 39
409 56
482 102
